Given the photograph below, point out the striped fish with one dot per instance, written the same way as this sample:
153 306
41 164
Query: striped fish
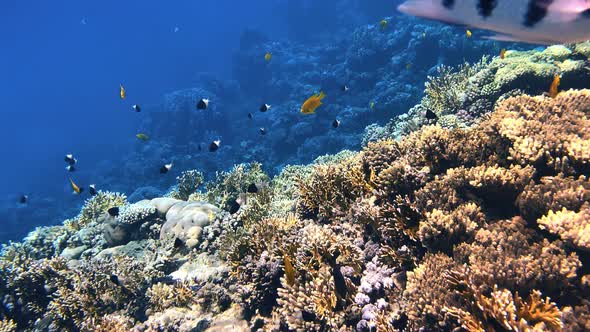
543 22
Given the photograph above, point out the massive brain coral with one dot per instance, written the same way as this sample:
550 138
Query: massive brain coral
184 220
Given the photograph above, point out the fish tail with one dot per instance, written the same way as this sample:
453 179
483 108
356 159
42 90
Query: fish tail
321 95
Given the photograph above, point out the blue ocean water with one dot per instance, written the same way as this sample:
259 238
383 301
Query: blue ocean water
62 65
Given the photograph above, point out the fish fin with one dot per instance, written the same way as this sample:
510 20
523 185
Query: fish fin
429 9
514 39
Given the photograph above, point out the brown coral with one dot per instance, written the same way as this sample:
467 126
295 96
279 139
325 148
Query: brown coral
501 309
528 261
549 132
553 193
570 225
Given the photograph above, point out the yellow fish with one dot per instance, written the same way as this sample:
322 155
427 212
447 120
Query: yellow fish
268 56
502 53
313 102
554 88
122 92
142 137
383 24
77 190
468 33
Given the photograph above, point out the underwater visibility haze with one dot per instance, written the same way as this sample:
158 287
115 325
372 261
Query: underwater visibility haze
295 165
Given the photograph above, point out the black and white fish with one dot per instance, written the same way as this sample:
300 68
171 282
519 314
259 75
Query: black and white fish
532 21
252 188
113 212
23 199
92 190
166 168
262 131
203 104
70 160
70 168
336 123
344 88
214 146
264 107
136 108
430 115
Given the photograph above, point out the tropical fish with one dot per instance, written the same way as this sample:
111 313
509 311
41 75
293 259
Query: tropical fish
252 188
113 212
532 21
178 243
554 88
250 116
202 104
344 88
262 131
468 33
142 136
237 203
430 115
214 146
77 190
211 216
92 190
70 160
502 53
23 199
70 168
372 105
383 24
122 92
166 168
264 107
335 123
312 103
136 108
267 56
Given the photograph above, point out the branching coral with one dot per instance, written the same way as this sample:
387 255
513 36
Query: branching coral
227 186
549 132
98 205
501 309
187 183
445 93
570 225
311 306
441 229
427 292
528 262
331 189
163 296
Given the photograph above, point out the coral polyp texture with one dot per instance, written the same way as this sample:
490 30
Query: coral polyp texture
482 226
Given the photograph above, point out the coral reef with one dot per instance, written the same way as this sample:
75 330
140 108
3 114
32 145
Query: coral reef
477 221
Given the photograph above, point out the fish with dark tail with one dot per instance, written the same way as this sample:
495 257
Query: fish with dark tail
544 22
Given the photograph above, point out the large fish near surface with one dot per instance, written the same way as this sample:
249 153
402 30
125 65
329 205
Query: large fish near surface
532 21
